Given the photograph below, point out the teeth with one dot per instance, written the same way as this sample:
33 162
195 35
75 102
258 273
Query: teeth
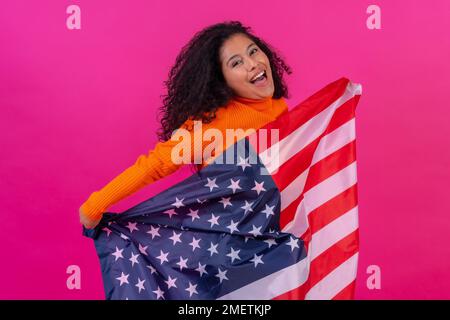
257 76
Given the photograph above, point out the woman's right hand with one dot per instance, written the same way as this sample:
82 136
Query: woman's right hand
87 222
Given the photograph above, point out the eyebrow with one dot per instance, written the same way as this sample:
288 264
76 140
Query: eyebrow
237 54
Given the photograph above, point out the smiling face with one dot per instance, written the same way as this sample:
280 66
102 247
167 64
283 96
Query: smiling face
242 62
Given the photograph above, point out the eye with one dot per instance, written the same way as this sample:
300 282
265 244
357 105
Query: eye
235 63
253 49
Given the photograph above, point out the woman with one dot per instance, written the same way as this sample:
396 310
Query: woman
225 77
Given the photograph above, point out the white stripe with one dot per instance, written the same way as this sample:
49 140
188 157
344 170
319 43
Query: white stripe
274 284
331 187
333 232
335 140
335 281
293 190
318 195
356 88
305 134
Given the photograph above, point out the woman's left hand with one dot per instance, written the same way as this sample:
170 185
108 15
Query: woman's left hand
87 222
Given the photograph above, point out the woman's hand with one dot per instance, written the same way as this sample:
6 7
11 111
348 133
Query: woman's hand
87 222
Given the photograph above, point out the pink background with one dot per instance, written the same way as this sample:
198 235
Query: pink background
78 107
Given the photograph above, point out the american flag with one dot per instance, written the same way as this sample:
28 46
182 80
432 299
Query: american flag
282 227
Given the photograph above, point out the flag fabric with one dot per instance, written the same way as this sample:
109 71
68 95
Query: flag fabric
284 226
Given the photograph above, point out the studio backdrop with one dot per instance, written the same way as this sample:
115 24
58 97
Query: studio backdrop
80 90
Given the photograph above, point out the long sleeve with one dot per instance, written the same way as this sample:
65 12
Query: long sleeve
158 163
147 169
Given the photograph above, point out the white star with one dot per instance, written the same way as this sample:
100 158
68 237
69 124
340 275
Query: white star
259 187
154 232
247 207
171 212
234 185
133 259
140 284
191 289
243 163
178 203
247 238
132 227
211 184
194 243
270 242
226 202
107 230
293 244
257 259
143 250
233 226
152 270
213 248
201 269
117 254
213 220
124 236
123 278
175 237
193 214
171 282
163 256
201 201
268 211
182 263
234 255
255 231
222 275
159 293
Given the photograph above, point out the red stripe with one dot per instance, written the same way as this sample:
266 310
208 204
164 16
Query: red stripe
330 165
318 173
348 293
295 166
287 215
325 263
333 209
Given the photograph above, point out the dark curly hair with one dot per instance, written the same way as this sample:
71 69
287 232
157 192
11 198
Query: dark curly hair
196 87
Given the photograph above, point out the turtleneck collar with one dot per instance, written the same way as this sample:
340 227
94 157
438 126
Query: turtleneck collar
258 104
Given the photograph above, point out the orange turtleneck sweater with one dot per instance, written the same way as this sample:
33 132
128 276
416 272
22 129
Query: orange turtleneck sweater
240 113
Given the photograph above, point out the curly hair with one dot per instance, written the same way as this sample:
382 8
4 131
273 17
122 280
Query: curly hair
196 87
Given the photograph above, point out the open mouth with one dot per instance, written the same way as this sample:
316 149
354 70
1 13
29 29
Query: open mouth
260 78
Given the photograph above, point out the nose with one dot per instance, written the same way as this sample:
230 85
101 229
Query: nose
251 64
